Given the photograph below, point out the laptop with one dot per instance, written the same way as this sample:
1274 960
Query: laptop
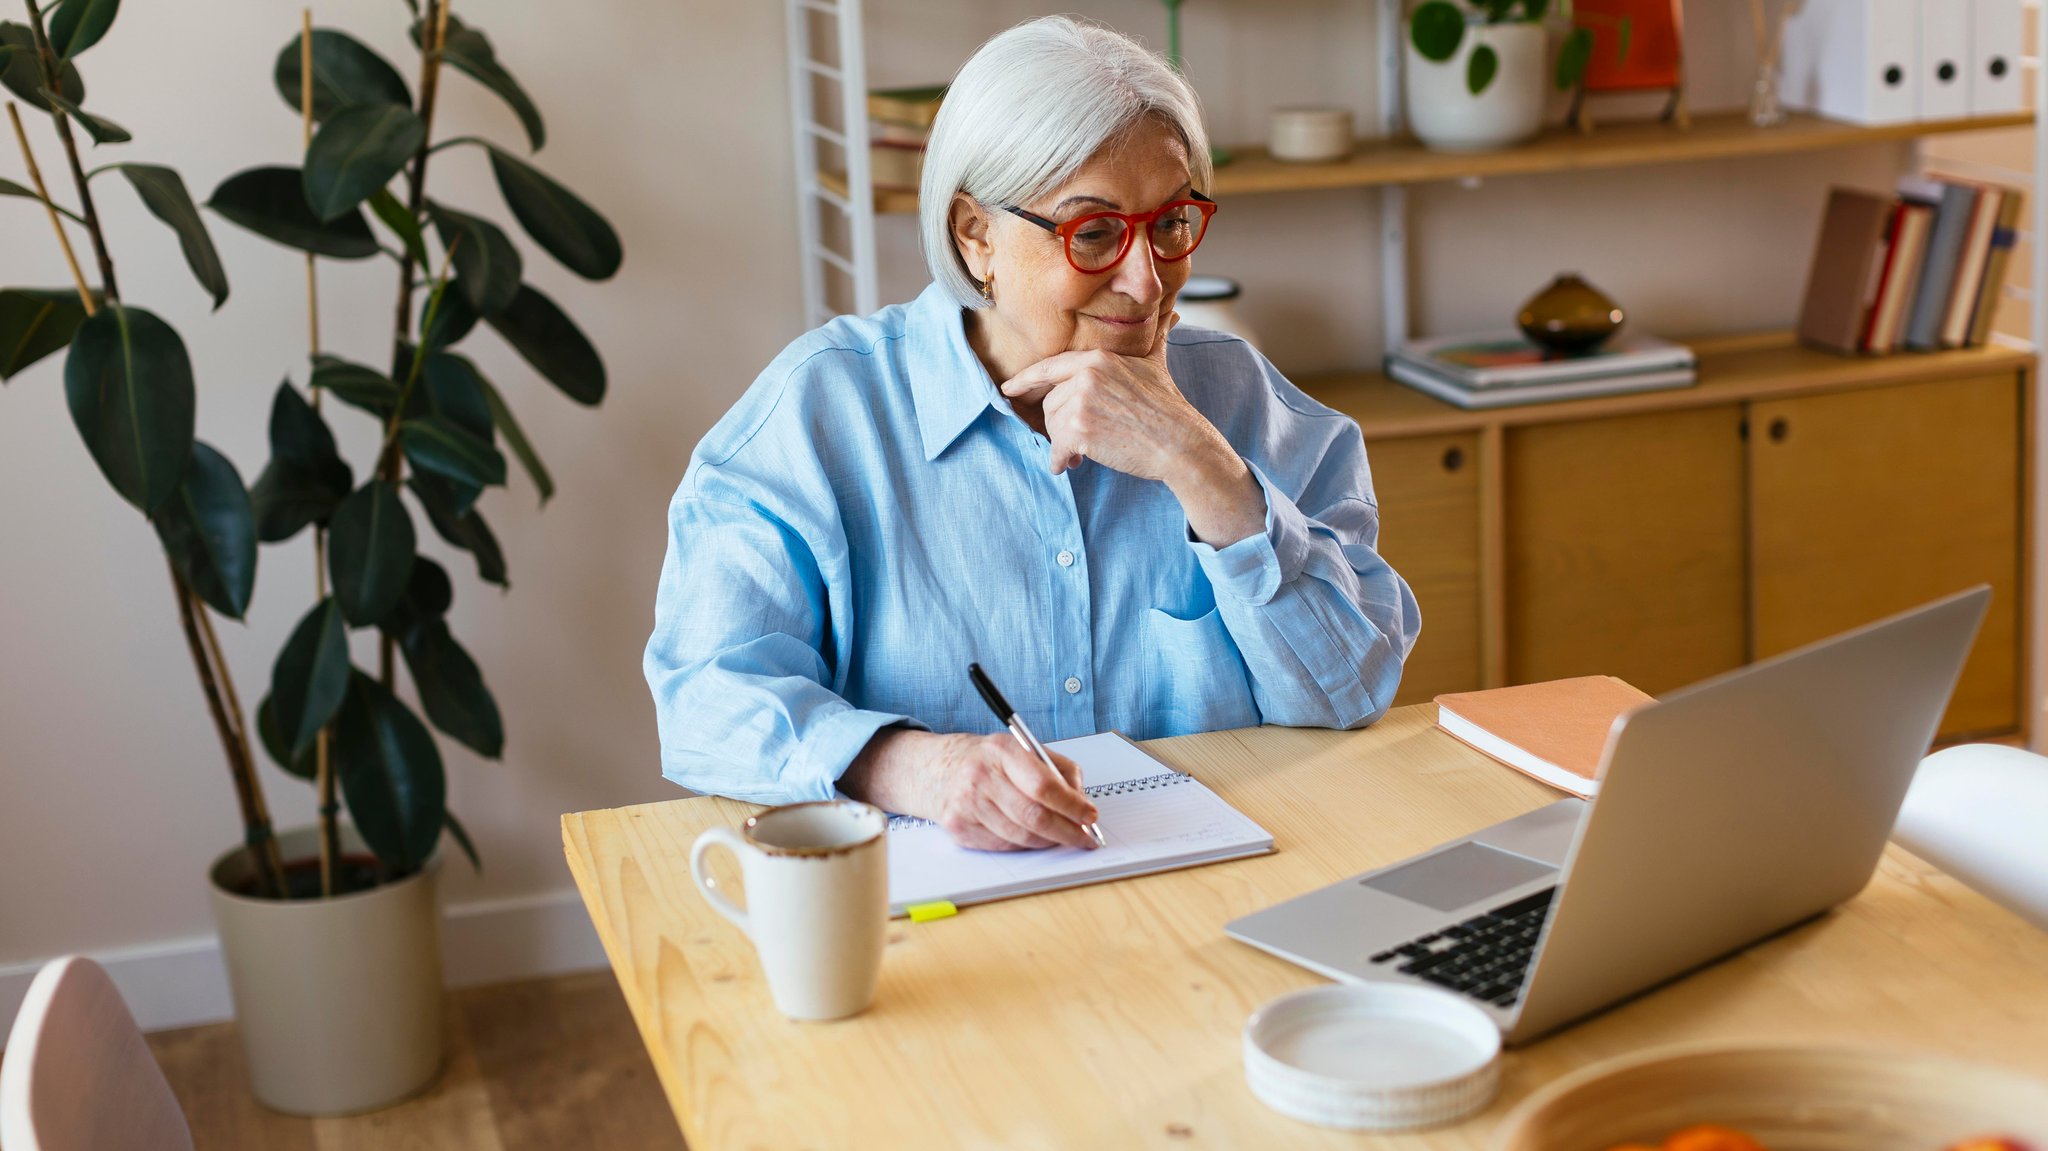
1727 811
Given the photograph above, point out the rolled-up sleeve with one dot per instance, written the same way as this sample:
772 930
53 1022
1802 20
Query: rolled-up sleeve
738 659
1323 623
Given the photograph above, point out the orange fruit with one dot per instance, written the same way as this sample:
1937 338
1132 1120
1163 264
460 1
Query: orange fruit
1709 1137
1989 1143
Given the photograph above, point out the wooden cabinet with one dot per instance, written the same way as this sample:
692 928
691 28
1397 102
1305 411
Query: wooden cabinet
1868 502
1666 537
1428 491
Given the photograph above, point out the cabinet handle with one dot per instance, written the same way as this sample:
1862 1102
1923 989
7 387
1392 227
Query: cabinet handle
1454 458
1779 430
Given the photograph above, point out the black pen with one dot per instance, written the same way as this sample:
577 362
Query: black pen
1008 717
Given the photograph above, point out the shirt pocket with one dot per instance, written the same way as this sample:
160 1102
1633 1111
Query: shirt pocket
1195 680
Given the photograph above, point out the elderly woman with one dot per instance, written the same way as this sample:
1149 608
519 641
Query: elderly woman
1132 527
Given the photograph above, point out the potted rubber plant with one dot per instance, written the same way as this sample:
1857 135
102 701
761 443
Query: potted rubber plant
1473 71
330 933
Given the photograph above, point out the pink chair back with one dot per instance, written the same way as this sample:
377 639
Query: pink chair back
77 1075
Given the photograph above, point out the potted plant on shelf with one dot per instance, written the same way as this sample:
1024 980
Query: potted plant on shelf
330 933
1473 72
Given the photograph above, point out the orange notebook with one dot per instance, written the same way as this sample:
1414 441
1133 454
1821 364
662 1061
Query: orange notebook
1552 732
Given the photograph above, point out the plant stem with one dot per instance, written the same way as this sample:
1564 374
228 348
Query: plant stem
35 176
215 680
53 78
323 766
433 32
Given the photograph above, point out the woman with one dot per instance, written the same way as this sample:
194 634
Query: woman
1130 530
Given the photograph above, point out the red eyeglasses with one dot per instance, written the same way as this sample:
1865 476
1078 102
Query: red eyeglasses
1099 241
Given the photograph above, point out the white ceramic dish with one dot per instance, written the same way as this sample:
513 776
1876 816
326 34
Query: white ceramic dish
1310 134
1379 1057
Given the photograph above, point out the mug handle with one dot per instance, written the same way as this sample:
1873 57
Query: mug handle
715 836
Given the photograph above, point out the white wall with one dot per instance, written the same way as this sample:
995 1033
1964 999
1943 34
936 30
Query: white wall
671 117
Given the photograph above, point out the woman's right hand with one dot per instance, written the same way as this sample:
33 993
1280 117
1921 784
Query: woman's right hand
985 790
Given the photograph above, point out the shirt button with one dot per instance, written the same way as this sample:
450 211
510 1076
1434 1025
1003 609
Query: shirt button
1066 558
1073 685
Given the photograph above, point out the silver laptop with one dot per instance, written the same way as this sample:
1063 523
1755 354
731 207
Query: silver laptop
1727 811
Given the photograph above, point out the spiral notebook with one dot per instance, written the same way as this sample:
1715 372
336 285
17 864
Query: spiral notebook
1155 819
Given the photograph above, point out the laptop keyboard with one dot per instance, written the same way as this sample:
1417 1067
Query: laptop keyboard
1485 957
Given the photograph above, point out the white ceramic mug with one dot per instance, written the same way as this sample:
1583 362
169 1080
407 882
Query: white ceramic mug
817 890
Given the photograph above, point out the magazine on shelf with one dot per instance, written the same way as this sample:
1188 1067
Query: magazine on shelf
1452 392
1509 359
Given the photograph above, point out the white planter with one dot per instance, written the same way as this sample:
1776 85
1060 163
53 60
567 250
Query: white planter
1447 117
338 1000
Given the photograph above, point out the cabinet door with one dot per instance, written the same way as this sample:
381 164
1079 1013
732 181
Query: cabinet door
1428 490
1869 502
1625 548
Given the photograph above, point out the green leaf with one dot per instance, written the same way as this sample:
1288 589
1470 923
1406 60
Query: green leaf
306 766
455 392
129 385
310 676
35 322
210 533
163 193
21 75
271 202
452 689
461 837
1436 29
356 385
102 131
453 319
1535 8
345 73
459 524
357 152
1572 57
10 188
400 221
553 344
79 24
428 594
391 775
469 50
438 445
487 266
515 436
563 225
1480 68
306 478
370 546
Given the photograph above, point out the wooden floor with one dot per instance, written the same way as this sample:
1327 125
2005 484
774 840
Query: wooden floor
544 1064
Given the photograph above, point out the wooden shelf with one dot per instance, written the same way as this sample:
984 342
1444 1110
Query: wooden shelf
1732 369
1376 163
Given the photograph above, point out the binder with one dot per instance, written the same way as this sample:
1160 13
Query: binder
1944 59
1853 60
1996 42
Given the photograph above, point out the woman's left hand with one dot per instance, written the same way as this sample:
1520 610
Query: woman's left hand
1125 413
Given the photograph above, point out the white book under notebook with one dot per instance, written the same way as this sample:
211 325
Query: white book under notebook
1155 819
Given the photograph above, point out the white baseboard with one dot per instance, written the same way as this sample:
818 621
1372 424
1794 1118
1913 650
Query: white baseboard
183 982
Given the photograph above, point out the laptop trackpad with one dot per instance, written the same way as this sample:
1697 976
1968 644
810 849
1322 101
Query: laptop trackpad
1462 875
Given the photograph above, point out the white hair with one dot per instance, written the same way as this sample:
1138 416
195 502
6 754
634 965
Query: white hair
1027 110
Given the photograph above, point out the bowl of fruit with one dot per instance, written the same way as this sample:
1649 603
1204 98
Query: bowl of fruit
1782 1099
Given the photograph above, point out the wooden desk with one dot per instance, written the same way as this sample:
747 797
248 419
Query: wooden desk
1110 1016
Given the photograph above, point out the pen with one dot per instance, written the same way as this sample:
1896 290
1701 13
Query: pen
1022 734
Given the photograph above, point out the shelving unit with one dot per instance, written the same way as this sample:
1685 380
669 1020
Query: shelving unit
1390 164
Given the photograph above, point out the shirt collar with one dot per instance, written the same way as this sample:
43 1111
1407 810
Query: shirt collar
948 383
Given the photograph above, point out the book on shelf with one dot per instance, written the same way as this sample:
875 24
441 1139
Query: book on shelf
895 167
1452 392
2003 236
1970 267
1553 732
1507 358
1954 203
1848 261
1905 248
890 132
916 107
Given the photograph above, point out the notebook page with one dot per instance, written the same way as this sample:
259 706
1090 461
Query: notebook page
1151 816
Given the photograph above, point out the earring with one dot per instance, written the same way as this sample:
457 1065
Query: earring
988 288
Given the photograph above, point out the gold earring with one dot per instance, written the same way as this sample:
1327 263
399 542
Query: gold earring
988 288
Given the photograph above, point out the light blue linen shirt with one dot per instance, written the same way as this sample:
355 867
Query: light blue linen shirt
872 515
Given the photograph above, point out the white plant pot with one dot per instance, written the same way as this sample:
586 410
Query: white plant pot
1447 117
338 1000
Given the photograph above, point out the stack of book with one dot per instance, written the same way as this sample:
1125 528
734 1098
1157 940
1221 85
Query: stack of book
1920 270
899 121
1495 369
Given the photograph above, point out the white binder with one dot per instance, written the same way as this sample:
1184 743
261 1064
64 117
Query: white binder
1996 35
1854 60
1945 59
